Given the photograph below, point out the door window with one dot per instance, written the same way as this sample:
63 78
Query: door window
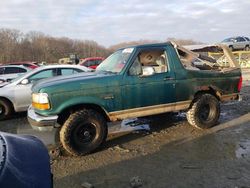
12 70
43 74
92 63
87 63
2 70
22 70
155 58
97 62
240 39
69 71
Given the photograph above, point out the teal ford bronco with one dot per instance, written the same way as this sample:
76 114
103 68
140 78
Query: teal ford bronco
134 82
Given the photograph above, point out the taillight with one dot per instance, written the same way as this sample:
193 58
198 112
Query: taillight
240 84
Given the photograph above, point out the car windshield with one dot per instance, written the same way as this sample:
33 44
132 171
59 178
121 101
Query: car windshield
115 62
228 40
20 76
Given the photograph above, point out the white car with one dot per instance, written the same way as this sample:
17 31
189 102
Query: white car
237 43
9 72
16 95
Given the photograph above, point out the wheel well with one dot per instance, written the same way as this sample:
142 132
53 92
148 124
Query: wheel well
63 116
210 90
7 100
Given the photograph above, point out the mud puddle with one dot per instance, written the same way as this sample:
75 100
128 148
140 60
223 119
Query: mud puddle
130 125
147 124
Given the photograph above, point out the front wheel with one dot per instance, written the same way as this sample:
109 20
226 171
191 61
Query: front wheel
83 132
204 112
5 109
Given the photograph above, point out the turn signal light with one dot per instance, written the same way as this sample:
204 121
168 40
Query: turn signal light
40 106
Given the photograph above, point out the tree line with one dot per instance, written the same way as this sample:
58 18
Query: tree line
36 46
131 43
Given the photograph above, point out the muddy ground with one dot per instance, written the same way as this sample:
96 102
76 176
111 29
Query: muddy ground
167 152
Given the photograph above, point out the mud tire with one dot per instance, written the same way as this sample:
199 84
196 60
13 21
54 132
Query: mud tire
83 132
204 112
6 109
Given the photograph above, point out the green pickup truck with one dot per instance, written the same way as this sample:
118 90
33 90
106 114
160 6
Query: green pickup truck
134 82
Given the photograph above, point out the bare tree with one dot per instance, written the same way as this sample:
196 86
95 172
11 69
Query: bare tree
36 46
9 40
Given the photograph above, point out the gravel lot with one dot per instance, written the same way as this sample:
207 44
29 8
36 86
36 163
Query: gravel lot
170 153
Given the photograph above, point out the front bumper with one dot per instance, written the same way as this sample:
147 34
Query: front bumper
41 123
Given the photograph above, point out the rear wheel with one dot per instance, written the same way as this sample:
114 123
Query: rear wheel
231 48
247 48
204 112
83 132
5 109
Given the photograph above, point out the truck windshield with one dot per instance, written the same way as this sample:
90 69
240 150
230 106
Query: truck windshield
115 62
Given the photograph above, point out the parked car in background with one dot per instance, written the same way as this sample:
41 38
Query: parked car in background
237 43
25 162
91 62
9 72
16 95
31 65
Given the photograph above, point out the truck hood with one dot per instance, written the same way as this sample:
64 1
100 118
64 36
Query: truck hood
59 80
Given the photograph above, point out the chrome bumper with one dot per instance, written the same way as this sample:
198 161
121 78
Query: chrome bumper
41 123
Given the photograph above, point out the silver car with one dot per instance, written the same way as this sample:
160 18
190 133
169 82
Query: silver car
9 72
237 43
16 95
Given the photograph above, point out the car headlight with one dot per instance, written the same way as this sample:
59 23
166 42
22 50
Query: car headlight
40 101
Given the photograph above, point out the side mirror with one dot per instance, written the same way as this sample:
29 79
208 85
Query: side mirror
147 71
25 81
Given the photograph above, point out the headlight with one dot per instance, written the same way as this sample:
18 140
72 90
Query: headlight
40 101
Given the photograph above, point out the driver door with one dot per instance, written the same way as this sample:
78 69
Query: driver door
149 90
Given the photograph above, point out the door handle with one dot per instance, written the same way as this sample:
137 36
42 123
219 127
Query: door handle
168 78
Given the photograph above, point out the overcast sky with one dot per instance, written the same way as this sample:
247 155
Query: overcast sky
112 21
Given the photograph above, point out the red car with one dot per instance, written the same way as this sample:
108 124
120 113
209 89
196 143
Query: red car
28 64
91 62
